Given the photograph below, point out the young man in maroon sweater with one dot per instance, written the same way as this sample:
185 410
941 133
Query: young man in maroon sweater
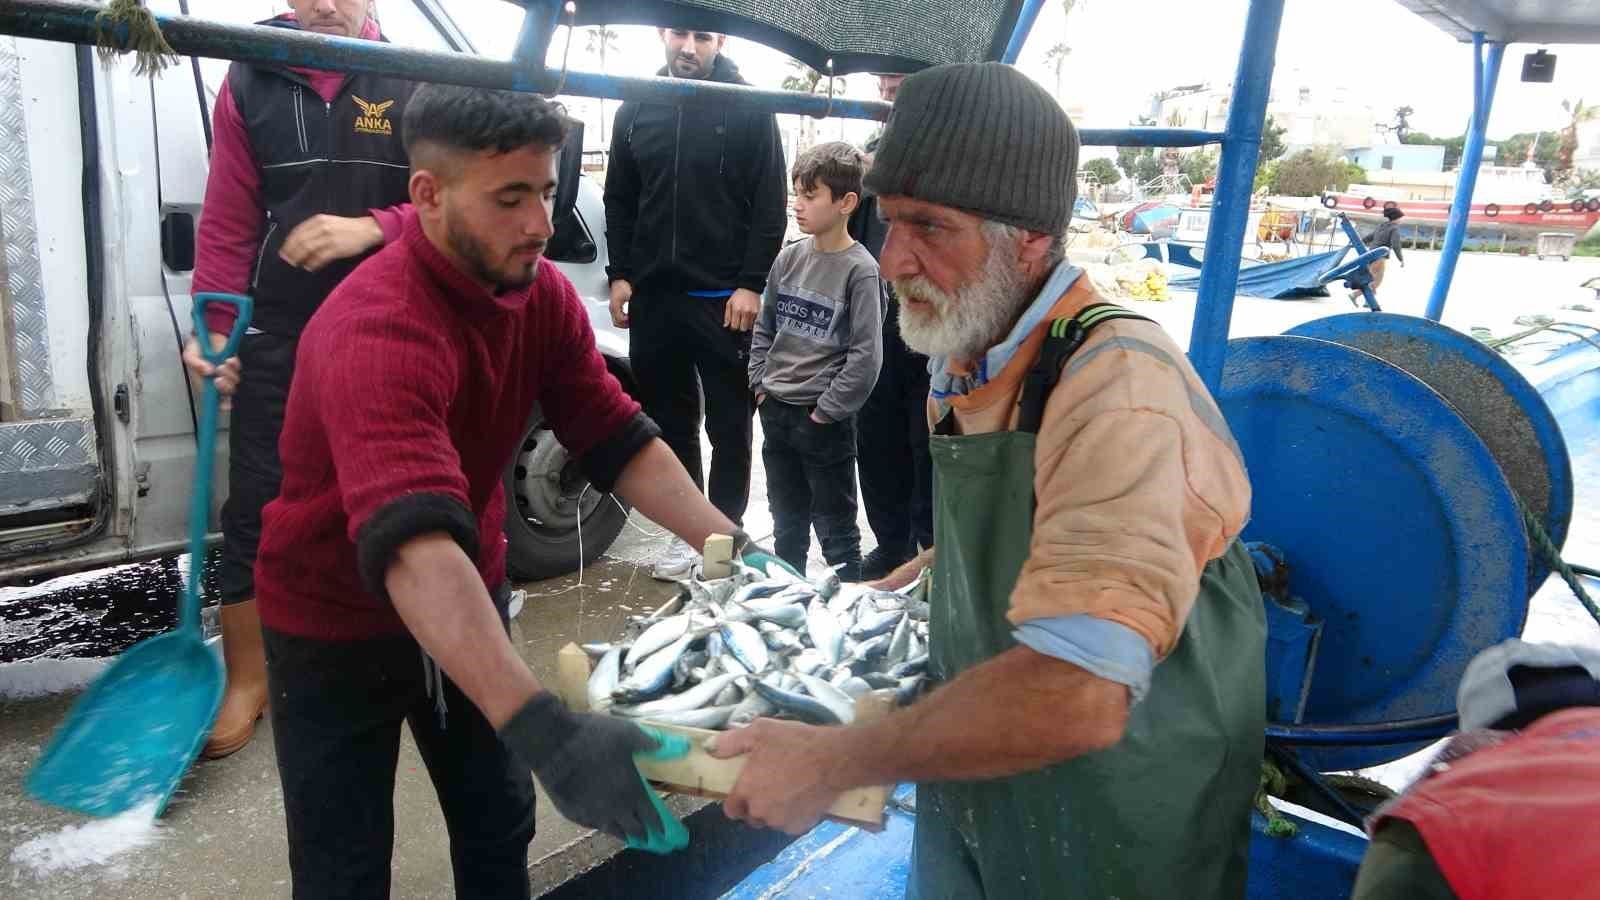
382 561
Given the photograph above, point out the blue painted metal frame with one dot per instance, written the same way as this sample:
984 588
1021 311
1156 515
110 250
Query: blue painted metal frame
538 25
1019 35
1485 75
1241 148
1430 561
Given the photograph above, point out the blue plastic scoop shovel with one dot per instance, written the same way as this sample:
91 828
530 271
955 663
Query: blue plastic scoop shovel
134 733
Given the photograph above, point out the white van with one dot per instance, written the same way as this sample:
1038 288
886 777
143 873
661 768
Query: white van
102 175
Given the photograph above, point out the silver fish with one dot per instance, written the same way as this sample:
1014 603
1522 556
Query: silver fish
783 641
699 594
838 702
707 717
655 637
826 635
855 687
721 591
872 648
841 603
874 623
912 666
730 663
759 590
880 680
683 671
918 609
808 661
839 676
790 615
746 645
730 695
598 650
696 697
653 673
916 645
603 680
806 709
828 585
752 707
899 641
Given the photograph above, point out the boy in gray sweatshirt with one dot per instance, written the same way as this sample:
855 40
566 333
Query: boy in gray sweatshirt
814 358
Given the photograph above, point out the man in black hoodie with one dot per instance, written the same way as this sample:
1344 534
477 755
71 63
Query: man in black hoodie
694 218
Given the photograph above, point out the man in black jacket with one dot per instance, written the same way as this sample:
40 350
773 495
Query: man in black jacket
694 218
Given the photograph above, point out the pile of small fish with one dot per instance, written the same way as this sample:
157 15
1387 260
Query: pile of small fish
724 653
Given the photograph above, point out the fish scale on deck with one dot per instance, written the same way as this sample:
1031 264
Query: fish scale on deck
724 653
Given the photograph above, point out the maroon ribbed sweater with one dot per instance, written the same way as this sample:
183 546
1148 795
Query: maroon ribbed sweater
411 391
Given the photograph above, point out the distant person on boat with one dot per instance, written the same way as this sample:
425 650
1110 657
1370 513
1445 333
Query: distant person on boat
1098 633
1508 808
1387 234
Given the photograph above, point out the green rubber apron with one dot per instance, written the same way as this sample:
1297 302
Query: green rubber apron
1163 814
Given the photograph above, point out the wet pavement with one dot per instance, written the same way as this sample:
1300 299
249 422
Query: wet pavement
223 834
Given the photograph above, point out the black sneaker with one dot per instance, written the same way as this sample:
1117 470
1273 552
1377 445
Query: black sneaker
879 563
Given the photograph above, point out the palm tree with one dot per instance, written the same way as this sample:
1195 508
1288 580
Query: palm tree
1569 135
1056 57
602 40
807 80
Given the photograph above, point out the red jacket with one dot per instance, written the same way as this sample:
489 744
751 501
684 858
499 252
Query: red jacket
230 226
1518 819
411 393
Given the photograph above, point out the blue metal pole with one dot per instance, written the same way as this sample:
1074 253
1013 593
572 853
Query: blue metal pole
538 24
1019 34
1484 78
1148 137
57 20
1241 147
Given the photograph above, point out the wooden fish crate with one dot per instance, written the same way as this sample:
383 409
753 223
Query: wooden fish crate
700 774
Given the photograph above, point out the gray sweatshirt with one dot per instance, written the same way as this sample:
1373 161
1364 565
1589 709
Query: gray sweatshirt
817 340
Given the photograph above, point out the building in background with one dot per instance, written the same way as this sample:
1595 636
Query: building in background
1398 158
1588 156
1310 116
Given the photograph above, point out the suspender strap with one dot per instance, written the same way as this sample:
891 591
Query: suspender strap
1063 339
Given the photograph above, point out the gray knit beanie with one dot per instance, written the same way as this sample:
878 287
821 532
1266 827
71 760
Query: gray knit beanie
984 138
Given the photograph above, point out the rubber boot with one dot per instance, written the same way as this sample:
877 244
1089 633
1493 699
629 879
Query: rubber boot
246 695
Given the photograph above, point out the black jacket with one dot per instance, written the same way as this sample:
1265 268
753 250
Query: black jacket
341 158
1387 234
695 195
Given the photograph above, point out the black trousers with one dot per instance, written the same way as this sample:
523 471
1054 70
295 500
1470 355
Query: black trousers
254 470
896 474
811 480
680 352
336 711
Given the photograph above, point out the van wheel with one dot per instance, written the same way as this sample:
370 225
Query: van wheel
546 499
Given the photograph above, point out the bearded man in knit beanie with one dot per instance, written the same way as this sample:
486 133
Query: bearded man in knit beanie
1095 723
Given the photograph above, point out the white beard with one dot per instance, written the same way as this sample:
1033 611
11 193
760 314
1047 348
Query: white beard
966 324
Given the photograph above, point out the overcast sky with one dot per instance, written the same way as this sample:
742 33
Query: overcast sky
1123 52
